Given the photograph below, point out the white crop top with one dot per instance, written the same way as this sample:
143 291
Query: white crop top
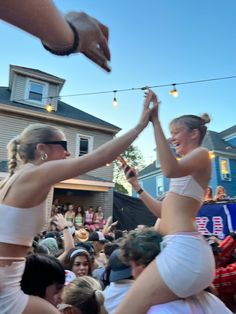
187 186
21 225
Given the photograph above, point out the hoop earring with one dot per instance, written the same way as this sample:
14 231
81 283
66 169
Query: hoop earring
44 156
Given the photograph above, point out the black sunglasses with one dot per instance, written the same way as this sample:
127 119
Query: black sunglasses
62 143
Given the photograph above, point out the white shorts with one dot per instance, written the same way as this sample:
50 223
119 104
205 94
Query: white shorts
12 298
186 263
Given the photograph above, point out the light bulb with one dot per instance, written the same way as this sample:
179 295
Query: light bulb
115 102
49 108
174 91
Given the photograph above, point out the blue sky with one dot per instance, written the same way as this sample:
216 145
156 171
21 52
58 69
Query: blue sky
152 42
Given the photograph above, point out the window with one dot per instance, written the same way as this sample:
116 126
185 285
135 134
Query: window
36 92
84 144
159 185
225 169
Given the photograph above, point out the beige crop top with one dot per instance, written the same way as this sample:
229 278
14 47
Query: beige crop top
20 225
187 186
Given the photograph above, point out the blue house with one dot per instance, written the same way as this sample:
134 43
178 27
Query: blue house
222 148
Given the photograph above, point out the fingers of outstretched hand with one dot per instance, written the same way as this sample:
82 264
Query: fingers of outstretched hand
103 42
93 38
96 55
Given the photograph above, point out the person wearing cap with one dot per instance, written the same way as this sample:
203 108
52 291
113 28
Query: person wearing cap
120 281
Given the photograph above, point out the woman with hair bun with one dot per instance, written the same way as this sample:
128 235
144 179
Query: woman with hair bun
85 294
185 265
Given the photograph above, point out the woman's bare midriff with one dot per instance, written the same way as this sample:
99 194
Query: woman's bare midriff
10 251
177 214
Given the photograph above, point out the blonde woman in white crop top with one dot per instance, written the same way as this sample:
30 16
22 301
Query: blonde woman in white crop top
42 150
186 264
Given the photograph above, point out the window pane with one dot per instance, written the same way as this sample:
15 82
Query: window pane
36 92
84 145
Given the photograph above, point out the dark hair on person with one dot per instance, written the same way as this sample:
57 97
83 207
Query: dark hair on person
40 272
72 254
194 122
141 246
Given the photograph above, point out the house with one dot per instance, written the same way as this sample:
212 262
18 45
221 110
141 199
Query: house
25 101
222 148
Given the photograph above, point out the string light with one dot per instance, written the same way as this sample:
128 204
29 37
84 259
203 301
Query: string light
174 91
143 88
49 106
115 102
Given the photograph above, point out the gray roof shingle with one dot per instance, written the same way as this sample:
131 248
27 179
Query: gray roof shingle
63 110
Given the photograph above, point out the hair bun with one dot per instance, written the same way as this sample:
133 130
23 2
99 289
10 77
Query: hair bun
99 297
205 118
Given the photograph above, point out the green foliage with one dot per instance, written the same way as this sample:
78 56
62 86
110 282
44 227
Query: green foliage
121 189
134 158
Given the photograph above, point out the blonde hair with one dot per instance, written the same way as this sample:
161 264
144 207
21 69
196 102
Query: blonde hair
22 147
85 293
194 122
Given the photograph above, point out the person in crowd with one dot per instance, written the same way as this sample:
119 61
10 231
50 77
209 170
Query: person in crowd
161 282
70 216
220 193
225 276
98 218
43 277
78 260
120 277
61 35
42 152
140 248
102 273
98 240
84 294
89 213
51 245
79 217
80 236
208 197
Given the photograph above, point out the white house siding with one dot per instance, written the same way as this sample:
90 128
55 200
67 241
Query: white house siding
18 88
99 138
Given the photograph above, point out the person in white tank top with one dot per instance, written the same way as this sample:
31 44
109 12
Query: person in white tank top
42 151
186 264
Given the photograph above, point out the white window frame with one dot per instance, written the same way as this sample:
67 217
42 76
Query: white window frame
226 176
159 177
44 100
90 143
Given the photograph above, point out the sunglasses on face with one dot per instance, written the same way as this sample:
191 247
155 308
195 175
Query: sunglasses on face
62 143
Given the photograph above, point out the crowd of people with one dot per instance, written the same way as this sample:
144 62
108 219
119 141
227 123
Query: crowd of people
78 217
81 264
220 194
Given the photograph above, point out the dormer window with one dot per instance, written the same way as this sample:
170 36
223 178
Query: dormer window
36 92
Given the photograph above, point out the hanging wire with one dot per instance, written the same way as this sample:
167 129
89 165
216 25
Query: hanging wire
139 88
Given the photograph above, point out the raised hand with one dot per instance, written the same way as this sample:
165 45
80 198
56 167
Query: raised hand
151 97
93 38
